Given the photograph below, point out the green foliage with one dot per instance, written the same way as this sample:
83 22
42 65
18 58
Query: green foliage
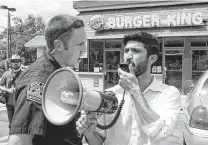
22 31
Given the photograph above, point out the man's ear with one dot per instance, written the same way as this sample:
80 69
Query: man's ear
58 45
153 58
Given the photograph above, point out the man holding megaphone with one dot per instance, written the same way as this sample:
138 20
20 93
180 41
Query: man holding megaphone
65 37
150 109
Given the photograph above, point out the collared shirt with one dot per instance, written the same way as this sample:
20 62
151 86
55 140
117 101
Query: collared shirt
128 130
8 81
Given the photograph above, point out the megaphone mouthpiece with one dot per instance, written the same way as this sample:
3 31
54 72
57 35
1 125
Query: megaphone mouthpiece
92 101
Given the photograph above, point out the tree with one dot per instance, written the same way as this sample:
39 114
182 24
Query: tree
22 32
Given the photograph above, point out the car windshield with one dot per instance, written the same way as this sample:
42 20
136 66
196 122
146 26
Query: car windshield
203 94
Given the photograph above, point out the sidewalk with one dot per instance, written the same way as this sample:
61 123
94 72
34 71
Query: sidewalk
3 125
2 107
4 140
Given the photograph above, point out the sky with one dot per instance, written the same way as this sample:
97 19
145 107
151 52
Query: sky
44 8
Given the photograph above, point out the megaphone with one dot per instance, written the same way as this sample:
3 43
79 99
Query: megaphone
66 80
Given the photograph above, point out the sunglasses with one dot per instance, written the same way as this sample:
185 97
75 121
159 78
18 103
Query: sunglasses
75 24
15 61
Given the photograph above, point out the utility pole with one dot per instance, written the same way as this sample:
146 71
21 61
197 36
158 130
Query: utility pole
8 33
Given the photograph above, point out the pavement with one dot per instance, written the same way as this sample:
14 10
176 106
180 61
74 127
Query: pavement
4 140
2 107
4 130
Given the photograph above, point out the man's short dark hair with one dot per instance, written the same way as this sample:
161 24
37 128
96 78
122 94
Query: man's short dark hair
152 44
58 25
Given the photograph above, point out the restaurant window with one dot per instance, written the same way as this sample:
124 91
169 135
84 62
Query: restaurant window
174 42
199 42
114 55
173 61
83 66
199 63
96 55
157 66
173 64
199 56
113 43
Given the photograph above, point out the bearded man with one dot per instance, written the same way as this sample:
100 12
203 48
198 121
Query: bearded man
150 109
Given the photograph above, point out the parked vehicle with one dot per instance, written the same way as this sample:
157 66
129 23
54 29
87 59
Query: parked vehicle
196 113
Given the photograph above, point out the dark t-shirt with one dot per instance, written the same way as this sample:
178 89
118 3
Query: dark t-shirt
29 117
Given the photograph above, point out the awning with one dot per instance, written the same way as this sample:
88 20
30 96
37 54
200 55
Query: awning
166 32
37 41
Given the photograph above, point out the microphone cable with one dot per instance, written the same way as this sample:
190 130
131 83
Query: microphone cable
102 127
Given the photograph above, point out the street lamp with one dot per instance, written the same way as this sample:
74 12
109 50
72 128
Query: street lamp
8 31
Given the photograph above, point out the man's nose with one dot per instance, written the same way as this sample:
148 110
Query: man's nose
128 57
84 49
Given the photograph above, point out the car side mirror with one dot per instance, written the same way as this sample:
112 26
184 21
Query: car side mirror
187 87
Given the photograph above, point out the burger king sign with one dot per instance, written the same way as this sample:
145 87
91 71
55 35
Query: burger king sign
96 22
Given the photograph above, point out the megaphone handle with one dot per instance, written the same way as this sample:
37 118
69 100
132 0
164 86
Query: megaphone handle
112 122
80 131
115 118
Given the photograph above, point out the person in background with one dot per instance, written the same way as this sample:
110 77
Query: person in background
66 41
150 110
7 84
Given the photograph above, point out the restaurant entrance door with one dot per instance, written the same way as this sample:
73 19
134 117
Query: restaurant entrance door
173 68
111 67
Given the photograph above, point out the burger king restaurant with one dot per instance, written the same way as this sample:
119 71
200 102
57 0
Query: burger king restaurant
180 27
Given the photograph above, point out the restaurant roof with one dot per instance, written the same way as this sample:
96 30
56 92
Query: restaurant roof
37 41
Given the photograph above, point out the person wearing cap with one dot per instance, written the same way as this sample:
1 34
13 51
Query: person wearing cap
7 84
150 110
65 38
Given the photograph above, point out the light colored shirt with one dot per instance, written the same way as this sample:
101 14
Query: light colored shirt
128 130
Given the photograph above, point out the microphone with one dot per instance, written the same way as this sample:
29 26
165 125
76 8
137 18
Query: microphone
125 65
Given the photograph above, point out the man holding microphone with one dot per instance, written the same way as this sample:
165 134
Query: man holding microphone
150 109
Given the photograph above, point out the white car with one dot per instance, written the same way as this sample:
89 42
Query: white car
196 114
